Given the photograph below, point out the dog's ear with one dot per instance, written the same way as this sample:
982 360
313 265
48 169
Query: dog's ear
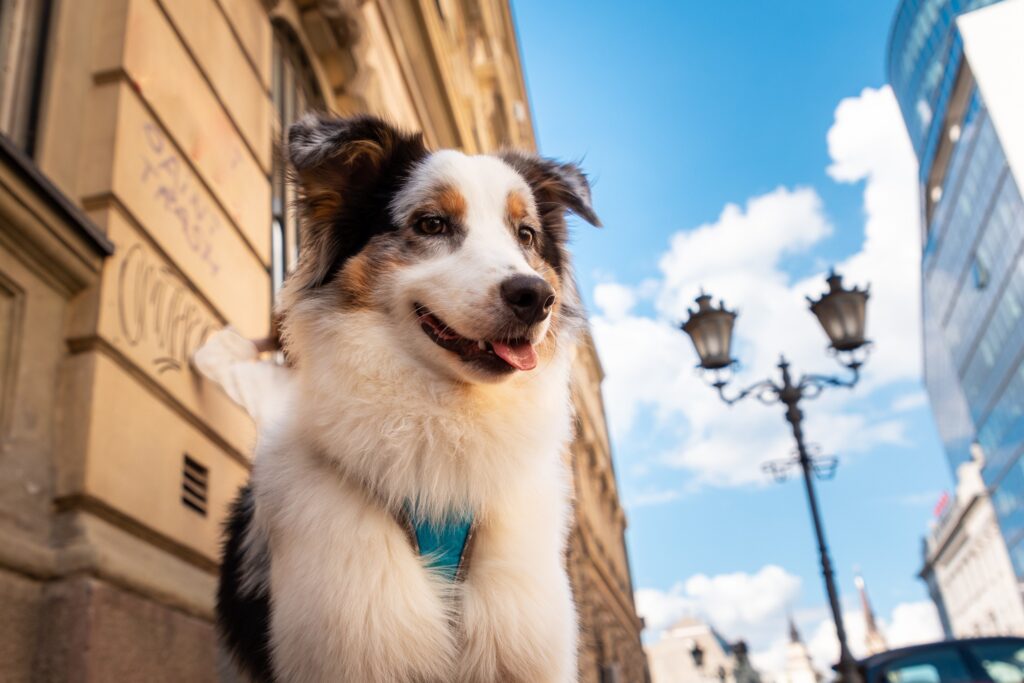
557 186
339 166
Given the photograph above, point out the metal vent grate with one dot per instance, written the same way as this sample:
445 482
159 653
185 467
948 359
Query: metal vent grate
194 479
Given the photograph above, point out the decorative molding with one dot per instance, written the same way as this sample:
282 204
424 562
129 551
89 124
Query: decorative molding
12 315
25 170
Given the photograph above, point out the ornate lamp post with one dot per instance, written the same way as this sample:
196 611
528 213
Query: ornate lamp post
698 655
841 313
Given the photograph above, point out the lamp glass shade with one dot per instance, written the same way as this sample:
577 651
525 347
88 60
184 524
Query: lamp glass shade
842 313
710 329
698 655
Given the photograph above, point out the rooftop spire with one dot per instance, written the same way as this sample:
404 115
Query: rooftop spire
799 666
874 641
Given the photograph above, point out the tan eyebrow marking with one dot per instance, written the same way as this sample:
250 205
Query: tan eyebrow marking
451 202
515 207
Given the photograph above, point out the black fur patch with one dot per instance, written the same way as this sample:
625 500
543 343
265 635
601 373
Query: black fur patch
347 171
243 619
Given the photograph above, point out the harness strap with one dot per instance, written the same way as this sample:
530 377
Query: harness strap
448 545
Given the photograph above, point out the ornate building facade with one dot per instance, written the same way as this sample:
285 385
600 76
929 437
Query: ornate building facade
692 651
142 205
610 648
966 567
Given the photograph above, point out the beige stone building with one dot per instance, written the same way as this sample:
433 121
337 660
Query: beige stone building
610 648
967 567
142 205
799 666
692 651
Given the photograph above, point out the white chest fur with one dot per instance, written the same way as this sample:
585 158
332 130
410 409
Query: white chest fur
351 599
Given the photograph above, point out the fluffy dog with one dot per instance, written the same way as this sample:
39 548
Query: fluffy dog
407 514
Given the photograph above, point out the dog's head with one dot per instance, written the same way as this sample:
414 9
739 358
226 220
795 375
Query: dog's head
464 257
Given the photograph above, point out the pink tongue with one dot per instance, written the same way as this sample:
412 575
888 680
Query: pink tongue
521 356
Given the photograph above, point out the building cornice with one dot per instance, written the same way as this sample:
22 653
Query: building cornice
29 174
946 533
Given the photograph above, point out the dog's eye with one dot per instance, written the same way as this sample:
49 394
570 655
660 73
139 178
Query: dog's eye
431 225
527 235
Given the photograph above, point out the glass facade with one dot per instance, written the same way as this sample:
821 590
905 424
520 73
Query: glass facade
973 255
921 47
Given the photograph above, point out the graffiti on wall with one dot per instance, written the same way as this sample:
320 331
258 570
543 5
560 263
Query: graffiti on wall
156 308
179 194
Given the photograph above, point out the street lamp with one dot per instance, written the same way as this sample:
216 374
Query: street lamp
841 313
698 655
710 329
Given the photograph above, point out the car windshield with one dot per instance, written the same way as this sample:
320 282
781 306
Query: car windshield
986 662
1003 662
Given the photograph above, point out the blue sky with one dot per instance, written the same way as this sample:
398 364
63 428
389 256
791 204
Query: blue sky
679 110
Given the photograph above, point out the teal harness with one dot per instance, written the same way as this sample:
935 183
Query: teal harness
446 545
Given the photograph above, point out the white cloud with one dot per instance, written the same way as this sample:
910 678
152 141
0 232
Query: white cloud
868 142
770 662
824 647
913 622
909 623
614 300
661 609
919 499
738 255
739 605
742 603
649 363
756 608
646 363
911 401
653 497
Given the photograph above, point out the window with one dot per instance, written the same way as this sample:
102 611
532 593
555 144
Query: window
995 660
979 271
610 673
935 666
22 26
1002 661
294 91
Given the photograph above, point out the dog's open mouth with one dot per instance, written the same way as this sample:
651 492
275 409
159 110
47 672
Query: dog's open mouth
514 354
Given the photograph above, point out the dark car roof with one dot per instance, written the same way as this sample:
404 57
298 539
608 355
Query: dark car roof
885 657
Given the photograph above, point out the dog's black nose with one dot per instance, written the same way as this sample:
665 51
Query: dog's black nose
530 297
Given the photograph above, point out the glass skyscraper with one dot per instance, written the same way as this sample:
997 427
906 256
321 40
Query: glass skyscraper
972 264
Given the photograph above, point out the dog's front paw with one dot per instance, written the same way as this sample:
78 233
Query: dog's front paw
225 348
510 637
233 362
